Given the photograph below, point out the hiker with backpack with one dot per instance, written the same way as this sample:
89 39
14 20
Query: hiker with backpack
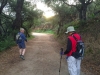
74 51
20 40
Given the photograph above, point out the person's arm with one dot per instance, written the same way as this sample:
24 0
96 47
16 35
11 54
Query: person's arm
23 37
69 46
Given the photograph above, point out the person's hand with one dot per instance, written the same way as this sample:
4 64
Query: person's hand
61 53
26 40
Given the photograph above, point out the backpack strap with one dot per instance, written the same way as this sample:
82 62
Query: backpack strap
19 36
76 38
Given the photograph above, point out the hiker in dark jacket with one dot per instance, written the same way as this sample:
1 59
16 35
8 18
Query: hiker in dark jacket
21 43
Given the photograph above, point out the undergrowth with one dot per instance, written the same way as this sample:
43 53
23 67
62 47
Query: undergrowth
6 43
45 31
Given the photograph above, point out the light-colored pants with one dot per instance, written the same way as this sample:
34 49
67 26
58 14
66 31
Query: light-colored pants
73 65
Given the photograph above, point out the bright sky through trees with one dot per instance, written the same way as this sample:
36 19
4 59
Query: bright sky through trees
48 12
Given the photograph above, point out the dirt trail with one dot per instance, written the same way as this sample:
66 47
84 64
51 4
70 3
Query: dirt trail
41 58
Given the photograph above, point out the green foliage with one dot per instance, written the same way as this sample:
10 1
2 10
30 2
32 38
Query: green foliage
6 43
45 31
73 23
31 37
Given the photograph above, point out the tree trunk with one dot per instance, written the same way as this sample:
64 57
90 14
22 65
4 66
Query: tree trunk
59 28
83 9
80 14
3 3
18 21
84 12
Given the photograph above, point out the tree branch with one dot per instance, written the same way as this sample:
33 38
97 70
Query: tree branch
82 1
71 5
89 2
95 13
68 4
3 3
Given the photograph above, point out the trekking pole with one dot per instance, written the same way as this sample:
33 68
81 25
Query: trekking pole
60 61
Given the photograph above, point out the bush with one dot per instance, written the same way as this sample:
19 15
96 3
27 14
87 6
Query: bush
6 43
76 24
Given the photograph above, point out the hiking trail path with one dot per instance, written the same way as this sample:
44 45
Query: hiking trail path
42 58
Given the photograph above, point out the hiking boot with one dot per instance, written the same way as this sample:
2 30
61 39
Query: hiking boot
22 57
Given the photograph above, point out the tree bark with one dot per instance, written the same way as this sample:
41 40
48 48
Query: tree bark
84 13
18 21
60 23
80 14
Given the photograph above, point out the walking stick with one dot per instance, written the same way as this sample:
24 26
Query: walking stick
60 61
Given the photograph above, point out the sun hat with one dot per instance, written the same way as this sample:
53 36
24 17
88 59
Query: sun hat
70 29
21 29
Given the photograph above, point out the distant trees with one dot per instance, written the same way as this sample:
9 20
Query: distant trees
80 10
64 13
81 6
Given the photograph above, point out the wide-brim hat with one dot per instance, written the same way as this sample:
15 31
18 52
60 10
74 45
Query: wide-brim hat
70 29
21 28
